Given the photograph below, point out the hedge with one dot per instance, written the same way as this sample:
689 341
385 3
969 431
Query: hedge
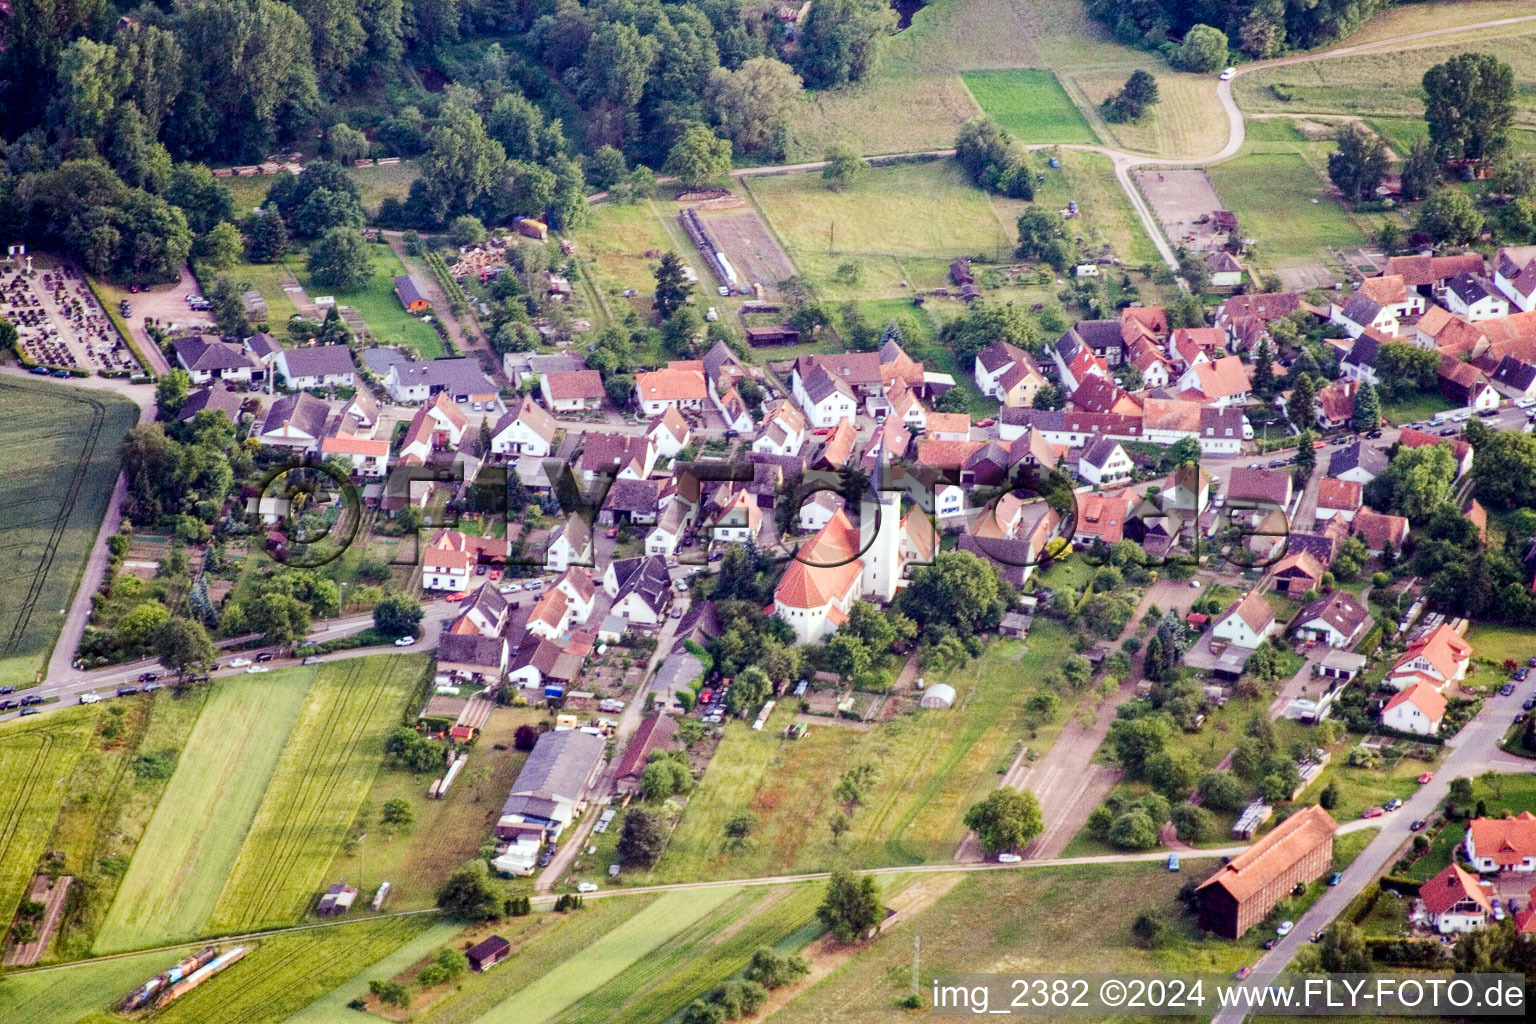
1364 902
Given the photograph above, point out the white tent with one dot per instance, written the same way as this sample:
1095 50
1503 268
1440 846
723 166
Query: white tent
939 695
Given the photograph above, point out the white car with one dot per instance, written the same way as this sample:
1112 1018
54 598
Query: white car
405 641
89 698
587 887
1285 928
239 662
511 588
1229 74
257 668
1008 858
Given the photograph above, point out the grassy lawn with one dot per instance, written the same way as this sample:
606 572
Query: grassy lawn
1280 200
59 450
995 923
268 279
375 184
380 309
1107 215
1360 788
332 1007
35 760
1031 105
1186 121
1498 643
1388 82
1415 408
285 973
193 840
447 832
109 805
325 771
930 767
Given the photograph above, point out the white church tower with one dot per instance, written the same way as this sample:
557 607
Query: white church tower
882 558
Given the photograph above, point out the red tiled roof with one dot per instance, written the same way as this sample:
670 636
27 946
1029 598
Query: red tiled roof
1289 842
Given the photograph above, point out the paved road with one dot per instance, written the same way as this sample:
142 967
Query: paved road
1473 751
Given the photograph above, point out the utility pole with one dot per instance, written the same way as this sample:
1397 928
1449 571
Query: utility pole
831 235
917 942
362 860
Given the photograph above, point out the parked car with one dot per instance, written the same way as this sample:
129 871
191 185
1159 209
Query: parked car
1530 702
613 531
7 689
254 669
151 687
1228 74
405 641
313 659
148 677
6 705
512 588
1393 804
127 691
89 698
533 585
1316 936
1521 674
1426 777
986 422
29 711
1507 689
1173 862
30 700
1285 928
1008 858
1243 972
587 887
732 434
239 662
265 656
1372 812
1336 878
455 598
1416 825
41 371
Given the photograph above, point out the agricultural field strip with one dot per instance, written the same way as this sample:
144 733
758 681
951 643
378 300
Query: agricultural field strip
195 835
604 959
332 1006
271 983
34 769
66 507
318 755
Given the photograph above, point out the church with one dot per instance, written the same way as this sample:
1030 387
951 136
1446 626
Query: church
841 564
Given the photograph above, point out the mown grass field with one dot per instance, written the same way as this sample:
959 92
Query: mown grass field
604 960
58 444
378 305
930 766
1186 121
268 279
332 1008
1415 408
35 759
1031 105
700 956
1107 215
1388 82
109 804
325 770
1280 201
1047 919
1496 643
195 836
375 183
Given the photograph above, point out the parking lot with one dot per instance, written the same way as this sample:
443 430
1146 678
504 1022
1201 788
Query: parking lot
60 323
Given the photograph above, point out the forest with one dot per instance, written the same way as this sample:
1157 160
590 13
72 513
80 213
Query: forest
111 114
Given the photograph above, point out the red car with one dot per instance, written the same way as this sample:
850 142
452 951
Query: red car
612 533
822 431
1372 812
1426 777
461 595
986 422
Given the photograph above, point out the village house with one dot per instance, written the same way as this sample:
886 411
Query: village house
435 427
826 398
1461 451
1357 462
1515 276
1439 657
1338 498
208 359
368 455
570 543
1359 363
1104 462
655 732
1417 709
1475 298
319 366
1379 530
472 658
1515 378
1220 383
1244 889
1337 620
527 429
1100 394
1075 361
1502 844
637 502
1456 902
641 589
295 421
1298 572
1360 312
460 378
1259 488
1009 374
1335 404
1247 623
1464 384
1428 275
540 664
660 390
669 433
621 456
572 390
214 399
782 431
